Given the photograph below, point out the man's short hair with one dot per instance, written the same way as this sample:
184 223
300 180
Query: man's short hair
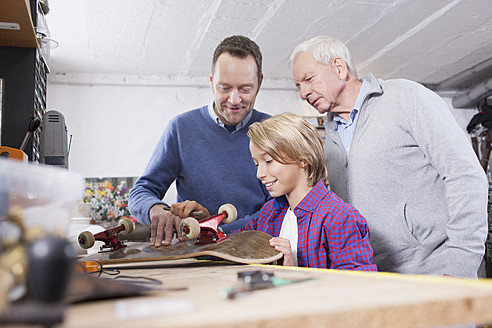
239 46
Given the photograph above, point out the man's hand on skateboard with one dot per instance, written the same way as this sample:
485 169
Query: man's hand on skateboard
283 245
163 223
189 208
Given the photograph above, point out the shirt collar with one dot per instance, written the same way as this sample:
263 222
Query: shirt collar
308 203
217 120
364 89
312 199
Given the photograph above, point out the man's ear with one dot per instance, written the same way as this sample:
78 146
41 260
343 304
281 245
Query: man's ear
340 68
261 81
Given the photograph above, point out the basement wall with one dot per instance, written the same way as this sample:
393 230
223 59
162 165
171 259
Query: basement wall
115 128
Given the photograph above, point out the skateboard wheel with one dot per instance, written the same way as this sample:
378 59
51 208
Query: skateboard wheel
231 212
86 239
190 228
128 224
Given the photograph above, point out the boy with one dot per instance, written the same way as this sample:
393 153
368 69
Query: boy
312 226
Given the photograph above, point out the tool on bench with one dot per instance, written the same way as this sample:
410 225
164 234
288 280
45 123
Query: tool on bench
254 280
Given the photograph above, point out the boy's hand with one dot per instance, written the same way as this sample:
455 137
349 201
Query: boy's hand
283 245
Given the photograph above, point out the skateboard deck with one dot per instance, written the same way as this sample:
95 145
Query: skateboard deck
248 247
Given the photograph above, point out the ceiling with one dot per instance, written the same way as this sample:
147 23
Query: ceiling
173 40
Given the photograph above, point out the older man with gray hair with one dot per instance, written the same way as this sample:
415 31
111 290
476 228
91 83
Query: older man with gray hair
395 152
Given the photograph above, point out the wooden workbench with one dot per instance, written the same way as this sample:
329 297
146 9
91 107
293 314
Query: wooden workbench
331 299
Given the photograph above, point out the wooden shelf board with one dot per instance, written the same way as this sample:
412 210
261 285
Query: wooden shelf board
17 11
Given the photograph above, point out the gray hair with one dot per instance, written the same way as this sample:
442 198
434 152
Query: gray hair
324 49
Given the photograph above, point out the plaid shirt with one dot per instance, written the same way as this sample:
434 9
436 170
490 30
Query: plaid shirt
331 233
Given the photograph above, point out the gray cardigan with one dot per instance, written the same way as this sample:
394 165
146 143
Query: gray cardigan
413 175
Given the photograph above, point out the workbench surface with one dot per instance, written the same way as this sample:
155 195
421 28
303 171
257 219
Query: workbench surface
332 298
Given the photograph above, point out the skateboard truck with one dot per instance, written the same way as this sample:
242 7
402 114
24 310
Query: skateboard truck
109 236
207 230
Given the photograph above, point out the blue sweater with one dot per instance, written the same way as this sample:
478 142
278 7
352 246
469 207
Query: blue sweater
210 165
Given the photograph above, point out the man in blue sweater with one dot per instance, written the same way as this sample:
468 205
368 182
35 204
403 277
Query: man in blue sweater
206 150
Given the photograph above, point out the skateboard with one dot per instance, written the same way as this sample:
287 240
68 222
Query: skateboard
204 238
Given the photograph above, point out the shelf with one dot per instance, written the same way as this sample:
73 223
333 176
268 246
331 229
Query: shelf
17 11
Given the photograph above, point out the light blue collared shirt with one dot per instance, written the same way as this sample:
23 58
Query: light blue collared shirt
217 120
345 129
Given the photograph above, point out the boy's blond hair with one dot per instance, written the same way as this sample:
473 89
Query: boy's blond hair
291 139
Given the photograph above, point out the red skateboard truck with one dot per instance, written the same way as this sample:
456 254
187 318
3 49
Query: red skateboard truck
109 236
207 230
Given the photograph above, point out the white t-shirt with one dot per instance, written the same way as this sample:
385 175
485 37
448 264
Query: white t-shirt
289 231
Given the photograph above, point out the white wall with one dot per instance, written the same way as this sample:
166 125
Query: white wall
116 127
